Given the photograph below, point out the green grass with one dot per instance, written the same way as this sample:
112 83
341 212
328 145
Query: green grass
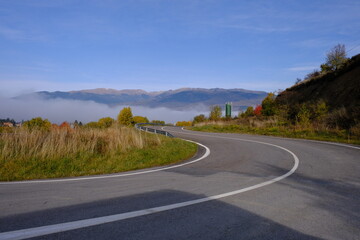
26 161
332 135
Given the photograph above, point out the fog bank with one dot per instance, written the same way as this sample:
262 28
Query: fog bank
59 110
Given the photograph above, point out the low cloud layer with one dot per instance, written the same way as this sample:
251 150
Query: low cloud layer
60 110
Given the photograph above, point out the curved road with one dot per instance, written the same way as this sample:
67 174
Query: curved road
248 187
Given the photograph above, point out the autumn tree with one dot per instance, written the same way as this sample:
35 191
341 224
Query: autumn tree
268 105
38 124
249 112
125 117
158 122
140 119
199 118
65 126
335 58
106 122
215 113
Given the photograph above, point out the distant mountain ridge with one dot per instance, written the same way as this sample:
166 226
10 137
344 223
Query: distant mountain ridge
183 98
115 91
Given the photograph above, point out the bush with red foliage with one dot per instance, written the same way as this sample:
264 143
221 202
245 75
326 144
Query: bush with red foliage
65 126
257 110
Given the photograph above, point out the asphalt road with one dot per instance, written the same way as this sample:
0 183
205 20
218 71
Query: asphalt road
249 187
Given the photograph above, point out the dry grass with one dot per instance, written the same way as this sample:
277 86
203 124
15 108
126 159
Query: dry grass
73 152
23 144
274 127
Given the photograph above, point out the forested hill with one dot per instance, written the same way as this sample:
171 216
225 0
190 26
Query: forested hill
339 89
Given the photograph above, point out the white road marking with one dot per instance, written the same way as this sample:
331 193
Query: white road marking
188 132
50 229
207 153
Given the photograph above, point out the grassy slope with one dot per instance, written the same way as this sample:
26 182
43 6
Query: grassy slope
333 136
337 89
157 151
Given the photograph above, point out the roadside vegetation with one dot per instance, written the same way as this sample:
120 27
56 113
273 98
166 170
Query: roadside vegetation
39 149
259 128
323 106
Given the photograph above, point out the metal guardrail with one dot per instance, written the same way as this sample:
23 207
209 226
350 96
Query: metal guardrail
141 127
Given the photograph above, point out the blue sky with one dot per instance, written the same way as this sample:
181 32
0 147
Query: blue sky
168 44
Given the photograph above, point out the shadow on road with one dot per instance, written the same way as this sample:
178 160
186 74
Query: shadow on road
340 198
209 220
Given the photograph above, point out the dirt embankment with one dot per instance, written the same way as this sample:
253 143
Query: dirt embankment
339 89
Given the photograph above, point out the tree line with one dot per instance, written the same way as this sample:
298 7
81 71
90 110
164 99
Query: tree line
124 118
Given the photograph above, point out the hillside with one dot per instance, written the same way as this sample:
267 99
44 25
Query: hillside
184 98
339 89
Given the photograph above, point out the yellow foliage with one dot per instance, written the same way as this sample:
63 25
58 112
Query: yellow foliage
184 123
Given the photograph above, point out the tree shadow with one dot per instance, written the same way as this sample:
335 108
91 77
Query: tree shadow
210 220
338 197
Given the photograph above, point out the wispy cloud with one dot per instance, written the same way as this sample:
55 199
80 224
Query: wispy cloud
10 33
34 67
302 68
16 34
251 27
251 22
315 43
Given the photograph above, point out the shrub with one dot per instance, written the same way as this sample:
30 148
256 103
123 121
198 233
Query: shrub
258 110
303 116
106 122
92 125
184 124
339 118
158 122
199 118
298 80
249 112
355 130
320 111
140 119
311 75
38 124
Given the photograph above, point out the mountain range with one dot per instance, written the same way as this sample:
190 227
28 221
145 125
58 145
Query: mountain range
183 98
